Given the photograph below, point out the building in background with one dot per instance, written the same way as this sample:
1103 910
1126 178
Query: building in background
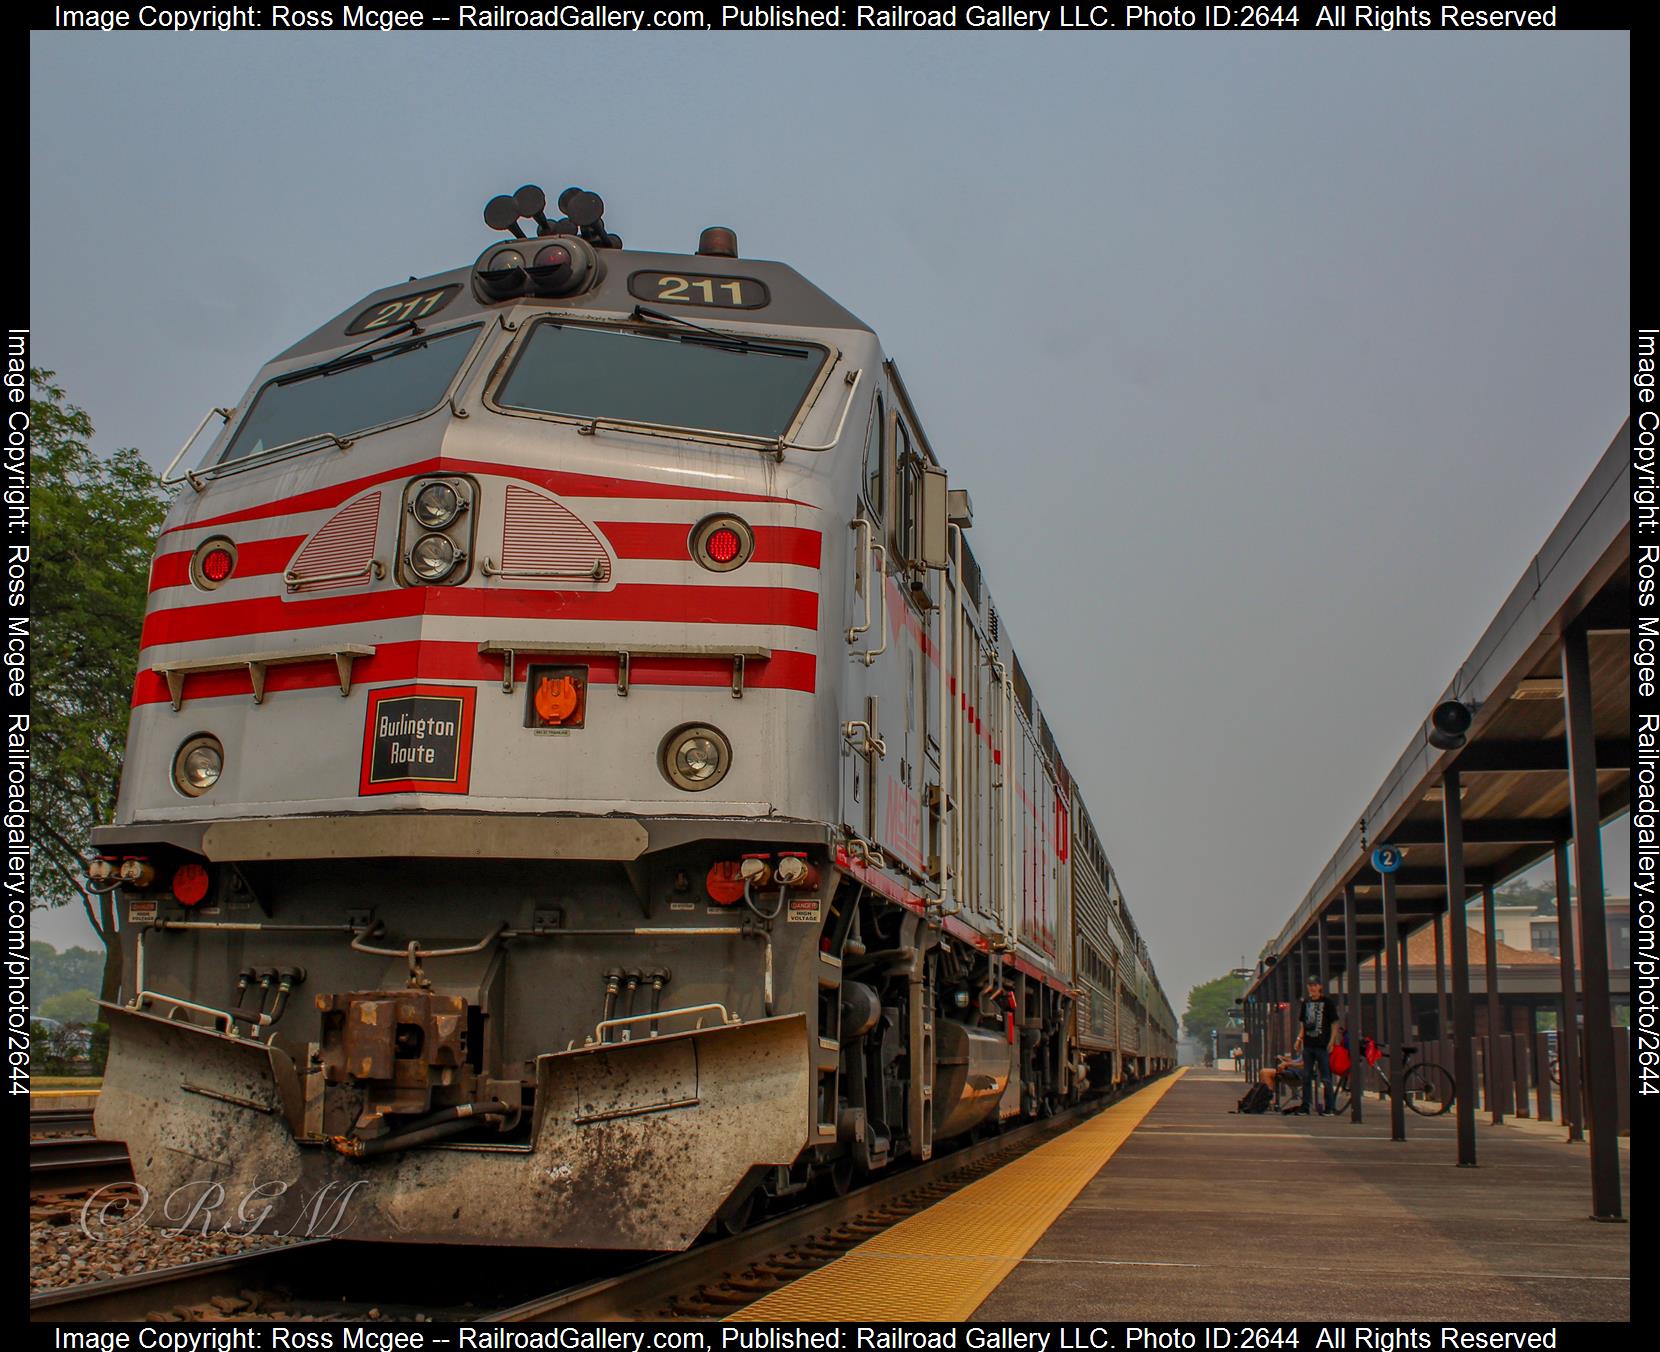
1545 936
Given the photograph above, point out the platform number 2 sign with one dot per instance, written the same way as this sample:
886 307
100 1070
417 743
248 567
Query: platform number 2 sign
1387 858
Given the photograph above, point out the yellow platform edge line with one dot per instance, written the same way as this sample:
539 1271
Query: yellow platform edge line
942 1263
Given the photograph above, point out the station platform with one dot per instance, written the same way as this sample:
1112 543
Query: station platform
62 1100
1168 1206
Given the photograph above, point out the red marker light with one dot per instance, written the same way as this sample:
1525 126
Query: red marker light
190 883
213 562
723 545
553 256
217 565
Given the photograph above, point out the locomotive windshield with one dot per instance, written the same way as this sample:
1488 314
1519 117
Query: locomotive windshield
694 380
350 394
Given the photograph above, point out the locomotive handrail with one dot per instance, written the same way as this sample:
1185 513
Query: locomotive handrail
197 479
951 901
852 379
862 525
147 997
142 996
859 850
167 478
880 581
508 650
869 743
294 581
593 573
1010 730
604 1024
413 949
777 445
344 654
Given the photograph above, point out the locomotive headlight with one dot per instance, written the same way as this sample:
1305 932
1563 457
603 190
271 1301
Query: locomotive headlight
197 765
436 505
552 268
501 273
696 757
562 267
433 558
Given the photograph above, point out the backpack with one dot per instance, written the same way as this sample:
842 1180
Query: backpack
1257 1099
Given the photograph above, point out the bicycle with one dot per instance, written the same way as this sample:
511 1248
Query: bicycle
1428 1088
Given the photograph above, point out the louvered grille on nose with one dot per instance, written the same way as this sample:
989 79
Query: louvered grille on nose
342 552
542 538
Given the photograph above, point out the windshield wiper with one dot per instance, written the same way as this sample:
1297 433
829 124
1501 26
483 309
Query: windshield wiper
715 338
355 356
640 312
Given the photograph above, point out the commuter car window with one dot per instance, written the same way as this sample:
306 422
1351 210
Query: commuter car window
352 393
693 380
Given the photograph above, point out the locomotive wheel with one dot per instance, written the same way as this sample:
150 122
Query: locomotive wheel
841 1177
739 1218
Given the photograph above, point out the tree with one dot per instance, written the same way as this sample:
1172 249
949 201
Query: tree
94 526
1208 1006
70 1007
51 972
54 1048
1539 895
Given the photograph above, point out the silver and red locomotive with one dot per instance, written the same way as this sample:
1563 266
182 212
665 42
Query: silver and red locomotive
579 785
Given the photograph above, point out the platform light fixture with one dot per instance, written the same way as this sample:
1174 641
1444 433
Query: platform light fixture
1449 723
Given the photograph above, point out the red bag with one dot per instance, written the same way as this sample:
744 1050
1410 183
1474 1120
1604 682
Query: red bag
1340 1061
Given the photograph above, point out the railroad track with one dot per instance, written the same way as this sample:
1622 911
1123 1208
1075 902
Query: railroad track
61 1121
708 1281
59 1164
712 1280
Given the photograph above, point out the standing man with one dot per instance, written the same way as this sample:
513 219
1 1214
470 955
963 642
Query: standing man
1314 1034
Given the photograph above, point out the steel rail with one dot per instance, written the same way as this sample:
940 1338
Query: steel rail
68 1163
660 1279
645 1285
136 1295
78 1120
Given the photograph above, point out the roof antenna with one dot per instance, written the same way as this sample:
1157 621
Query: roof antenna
531 201
502 213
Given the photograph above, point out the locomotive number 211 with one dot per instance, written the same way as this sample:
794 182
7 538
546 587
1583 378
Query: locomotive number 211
685 288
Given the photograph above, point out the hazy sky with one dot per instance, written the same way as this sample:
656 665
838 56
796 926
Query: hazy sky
1269 361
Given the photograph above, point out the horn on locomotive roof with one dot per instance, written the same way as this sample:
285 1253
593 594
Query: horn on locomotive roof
586 212
532 202
584 215
502 213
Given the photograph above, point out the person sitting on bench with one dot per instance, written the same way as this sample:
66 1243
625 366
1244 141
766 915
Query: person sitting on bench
1287 1069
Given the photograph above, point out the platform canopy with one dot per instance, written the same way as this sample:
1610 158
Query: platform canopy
1513 767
